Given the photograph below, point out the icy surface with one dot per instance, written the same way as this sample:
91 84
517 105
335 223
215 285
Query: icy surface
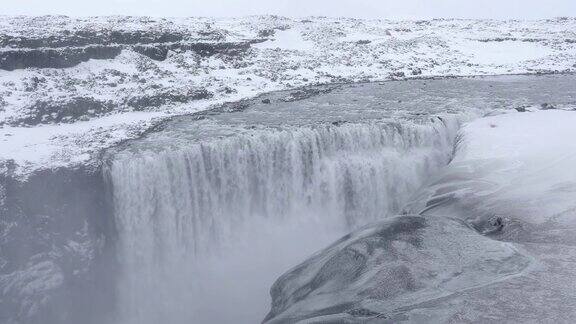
164 67
509 192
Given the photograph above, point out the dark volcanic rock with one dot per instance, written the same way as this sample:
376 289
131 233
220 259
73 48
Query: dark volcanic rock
167 97
266 33
397 74
69 111
92 37
547 106
416 71
67 50
304 93
363 42
158 53
54 57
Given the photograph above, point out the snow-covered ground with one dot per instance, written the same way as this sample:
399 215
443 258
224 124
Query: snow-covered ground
517 166
128 93
524 166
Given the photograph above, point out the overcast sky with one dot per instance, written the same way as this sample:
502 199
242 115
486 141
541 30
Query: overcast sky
399 9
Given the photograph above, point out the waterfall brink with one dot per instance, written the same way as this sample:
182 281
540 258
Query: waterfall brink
201 226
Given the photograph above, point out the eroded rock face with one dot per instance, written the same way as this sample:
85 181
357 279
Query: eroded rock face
67 48
54 57
54 248
67 111
380 272
65 57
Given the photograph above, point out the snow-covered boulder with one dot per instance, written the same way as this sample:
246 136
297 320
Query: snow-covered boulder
377 273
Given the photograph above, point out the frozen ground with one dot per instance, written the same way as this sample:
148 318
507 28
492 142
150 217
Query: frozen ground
71 87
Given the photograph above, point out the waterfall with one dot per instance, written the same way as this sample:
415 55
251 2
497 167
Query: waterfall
199 226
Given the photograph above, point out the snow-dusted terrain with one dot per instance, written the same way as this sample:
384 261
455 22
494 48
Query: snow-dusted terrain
150 172
72 86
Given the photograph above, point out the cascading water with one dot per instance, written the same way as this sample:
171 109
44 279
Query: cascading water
198 223
211 209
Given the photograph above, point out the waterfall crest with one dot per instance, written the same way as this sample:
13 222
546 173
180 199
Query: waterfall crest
178 210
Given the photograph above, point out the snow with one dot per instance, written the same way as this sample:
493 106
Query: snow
516 166
505 52
290 39
300 53
541 136
366 36
42 143
532 158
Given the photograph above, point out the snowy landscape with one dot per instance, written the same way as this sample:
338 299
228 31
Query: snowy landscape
129 73
287 170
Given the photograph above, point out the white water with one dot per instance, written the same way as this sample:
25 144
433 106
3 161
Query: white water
204 230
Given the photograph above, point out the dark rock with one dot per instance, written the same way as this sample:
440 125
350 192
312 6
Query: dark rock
209 49
397 74
158 53
515 39
229 90
232 107
266 101
266 33
54 58
363 42
82 38
156 48
159 99
46 112
305 93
